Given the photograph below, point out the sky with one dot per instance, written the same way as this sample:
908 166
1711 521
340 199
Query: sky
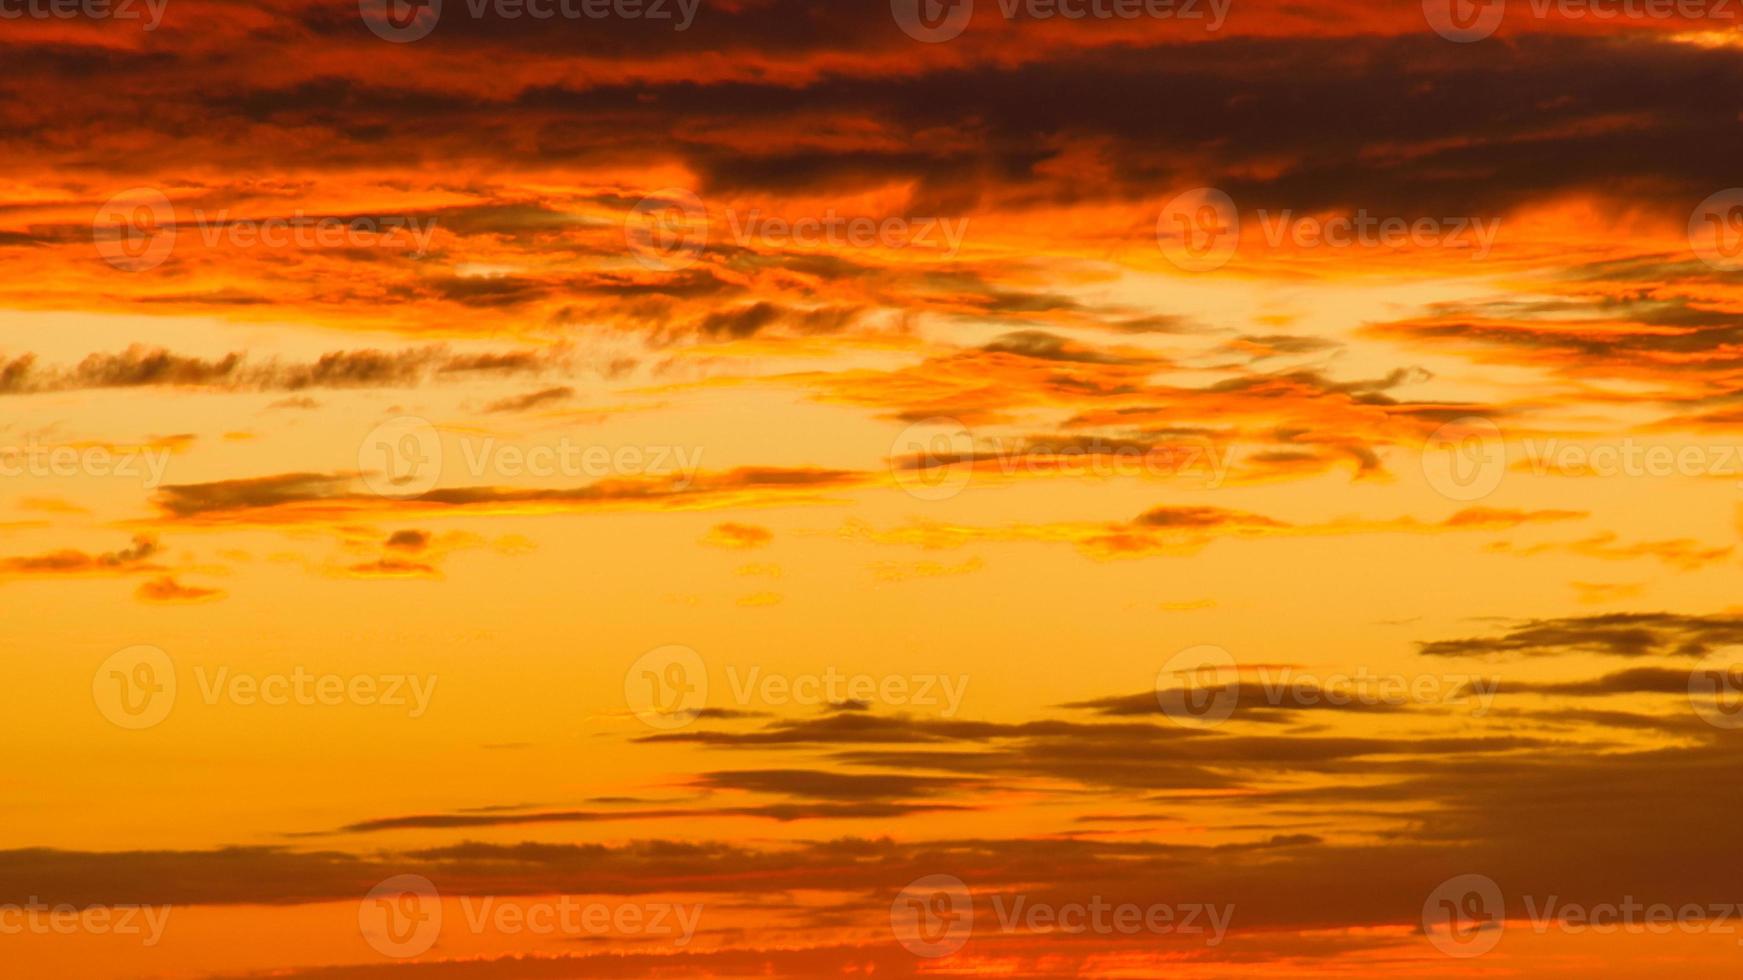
725 488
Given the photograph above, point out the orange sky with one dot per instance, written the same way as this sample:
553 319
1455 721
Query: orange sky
758 488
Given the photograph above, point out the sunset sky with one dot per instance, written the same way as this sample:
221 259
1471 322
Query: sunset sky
631 488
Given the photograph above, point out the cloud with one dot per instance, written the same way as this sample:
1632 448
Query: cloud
292 498
165 589
135 558
739 537
410 540
140 366
521 403
1611 634
1181 531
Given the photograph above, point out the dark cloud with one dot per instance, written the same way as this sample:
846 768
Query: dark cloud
140 366
521 403
1610 634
